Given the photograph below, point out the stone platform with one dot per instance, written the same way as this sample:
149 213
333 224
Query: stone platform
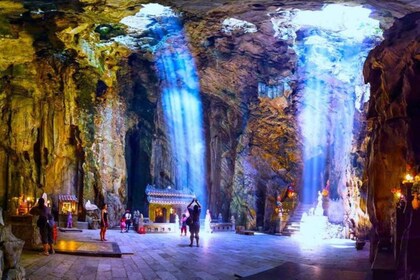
62 229
85 248
221 255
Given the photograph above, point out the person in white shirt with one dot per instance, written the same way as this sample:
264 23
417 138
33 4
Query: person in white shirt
127 220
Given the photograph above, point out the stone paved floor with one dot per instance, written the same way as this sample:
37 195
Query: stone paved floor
221 255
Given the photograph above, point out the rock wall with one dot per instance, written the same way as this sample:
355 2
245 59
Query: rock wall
251 137
80 112
393 71
62 118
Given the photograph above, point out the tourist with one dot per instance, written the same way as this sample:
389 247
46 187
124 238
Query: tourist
45 229
127 220
195 221
184 225
123 223
104 221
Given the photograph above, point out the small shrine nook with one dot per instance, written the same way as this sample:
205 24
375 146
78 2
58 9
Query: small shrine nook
67 203
164 207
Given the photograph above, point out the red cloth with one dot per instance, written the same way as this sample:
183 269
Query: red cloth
142 230
55 234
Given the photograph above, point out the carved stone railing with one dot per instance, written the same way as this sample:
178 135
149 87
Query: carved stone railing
161 227
222 227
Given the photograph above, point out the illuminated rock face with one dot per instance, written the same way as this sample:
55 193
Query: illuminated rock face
392 69
80 109
63 124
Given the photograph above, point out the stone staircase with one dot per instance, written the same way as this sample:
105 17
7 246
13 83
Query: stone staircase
293 225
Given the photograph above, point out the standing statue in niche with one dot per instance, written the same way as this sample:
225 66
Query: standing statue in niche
69 219
136 218
176 221
318 210
207 227
141 220
233 222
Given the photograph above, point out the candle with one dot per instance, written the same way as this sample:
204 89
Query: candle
408 177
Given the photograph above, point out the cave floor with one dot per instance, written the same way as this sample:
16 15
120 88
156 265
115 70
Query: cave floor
221 255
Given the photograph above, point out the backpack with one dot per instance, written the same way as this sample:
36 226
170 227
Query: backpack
189 221
42 221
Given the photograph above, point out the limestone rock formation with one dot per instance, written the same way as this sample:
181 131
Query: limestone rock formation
81 114
56 107
392 69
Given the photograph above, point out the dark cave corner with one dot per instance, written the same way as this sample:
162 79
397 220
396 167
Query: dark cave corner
138 171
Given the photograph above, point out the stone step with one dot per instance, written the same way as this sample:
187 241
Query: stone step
70 229
293 224
293 228
82 225
383 266
245 232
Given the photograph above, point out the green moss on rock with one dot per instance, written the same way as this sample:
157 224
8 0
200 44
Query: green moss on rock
108 31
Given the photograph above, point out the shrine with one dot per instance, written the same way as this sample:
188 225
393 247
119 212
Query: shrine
165 207
164 204
67 206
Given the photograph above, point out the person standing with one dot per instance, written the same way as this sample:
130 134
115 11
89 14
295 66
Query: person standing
45 229
104 221
195 224
127 220
123 224
184 224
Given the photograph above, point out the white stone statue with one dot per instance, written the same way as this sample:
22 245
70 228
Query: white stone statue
232 220
141 220
207 222
1 217
90 207
176 222
318 210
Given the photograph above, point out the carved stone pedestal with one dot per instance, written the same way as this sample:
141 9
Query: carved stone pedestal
24 227
10 253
